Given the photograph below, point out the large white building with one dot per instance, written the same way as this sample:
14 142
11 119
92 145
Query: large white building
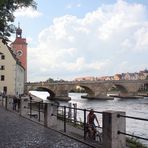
12 73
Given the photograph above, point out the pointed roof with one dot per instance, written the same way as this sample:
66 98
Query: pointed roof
18 32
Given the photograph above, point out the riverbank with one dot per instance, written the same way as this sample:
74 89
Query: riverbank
127 97
98 98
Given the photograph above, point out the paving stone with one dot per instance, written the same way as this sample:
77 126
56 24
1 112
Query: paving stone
18 132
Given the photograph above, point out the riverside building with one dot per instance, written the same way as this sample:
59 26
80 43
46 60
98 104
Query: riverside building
12 73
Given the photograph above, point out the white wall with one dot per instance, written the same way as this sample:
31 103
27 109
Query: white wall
14 73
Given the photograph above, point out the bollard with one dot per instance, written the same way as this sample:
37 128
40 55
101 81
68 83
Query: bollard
111 125
24 107
52 115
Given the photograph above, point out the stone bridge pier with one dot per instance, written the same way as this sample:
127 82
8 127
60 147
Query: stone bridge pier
62 94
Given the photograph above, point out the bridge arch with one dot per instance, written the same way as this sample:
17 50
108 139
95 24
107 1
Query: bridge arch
121 88
88 90
52 94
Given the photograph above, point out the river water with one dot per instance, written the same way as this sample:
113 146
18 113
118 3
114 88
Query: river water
132 107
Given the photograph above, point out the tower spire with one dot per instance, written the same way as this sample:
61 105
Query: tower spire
18 31
18 24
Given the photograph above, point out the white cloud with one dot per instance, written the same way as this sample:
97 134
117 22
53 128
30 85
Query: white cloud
98 44
72 5
78 5
69 6
27 12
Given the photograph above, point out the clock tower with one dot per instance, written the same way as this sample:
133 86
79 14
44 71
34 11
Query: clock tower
19 47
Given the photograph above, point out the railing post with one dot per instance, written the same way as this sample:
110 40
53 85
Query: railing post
6 101
39 112
45 115
75 113
111 125
84 124
69 111
2 101
30 106
21 104
65 119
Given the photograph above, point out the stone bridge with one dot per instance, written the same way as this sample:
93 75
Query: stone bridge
93 88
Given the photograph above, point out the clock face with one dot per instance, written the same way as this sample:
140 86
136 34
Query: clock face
19 52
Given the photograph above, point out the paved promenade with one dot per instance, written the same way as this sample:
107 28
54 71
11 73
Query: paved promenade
18 132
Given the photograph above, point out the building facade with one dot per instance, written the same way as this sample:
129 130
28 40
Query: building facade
12 73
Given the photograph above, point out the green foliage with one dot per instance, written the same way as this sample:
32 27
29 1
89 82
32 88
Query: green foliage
114 89
7 8
50 80
77 90
134 143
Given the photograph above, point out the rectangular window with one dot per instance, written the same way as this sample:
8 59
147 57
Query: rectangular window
2 57
2 67
2 77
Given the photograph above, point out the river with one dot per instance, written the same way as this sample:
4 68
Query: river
132 107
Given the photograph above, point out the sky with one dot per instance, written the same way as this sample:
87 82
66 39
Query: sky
78 38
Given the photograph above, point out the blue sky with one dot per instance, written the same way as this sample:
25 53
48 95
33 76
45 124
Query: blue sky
76 38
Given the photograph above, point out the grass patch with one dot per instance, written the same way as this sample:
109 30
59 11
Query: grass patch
134 143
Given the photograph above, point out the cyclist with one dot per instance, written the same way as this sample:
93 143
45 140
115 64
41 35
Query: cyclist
91 117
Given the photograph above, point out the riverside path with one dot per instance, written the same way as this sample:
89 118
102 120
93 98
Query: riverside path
19 132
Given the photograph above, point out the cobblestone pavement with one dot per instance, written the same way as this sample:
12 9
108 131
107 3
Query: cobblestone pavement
18 132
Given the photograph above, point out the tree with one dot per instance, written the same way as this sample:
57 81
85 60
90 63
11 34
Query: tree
7 8
50 80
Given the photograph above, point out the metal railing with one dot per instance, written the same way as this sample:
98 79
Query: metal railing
134 118
80 121
32 109
36 110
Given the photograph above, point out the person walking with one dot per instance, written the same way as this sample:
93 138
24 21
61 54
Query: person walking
14 102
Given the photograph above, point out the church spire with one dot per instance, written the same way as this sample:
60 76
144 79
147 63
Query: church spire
18 31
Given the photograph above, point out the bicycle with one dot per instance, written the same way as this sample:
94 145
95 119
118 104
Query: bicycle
98 134
94 134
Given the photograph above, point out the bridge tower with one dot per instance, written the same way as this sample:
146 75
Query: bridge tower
19 47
